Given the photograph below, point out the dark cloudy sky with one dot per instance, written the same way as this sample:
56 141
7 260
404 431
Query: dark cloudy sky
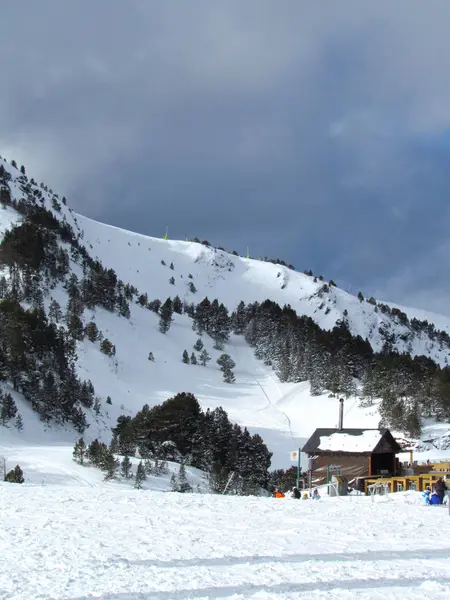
317 132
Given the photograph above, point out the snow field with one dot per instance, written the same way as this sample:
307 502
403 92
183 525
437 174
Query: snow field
54 466
115 544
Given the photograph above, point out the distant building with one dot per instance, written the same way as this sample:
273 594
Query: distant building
353 453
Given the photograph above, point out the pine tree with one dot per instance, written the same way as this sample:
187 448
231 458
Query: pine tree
202 316
127 439
148 466
163 468
166 318
140 476
204 357
217 478
177 305
4 285
110 465
123 306
96 406
18 424
283 359
55 312
218 344
143 300
114 445
228 376
198 345
189 310
225 362
91 331
97 453
15 476
185 357
239 319
219 325
413 421
79 451
183 484
193 359
8 409
107 347
126 467
154 305
173 483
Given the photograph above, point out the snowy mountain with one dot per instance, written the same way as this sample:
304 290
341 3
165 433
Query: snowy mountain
230 278
284 413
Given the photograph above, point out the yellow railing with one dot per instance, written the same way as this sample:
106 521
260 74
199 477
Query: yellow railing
404 483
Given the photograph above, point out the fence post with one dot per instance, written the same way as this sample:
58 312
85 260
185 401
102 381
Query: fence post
230 479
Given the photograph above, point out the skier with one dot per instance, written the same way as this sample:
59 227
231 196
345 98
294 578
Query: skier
296 493
279 494
316 495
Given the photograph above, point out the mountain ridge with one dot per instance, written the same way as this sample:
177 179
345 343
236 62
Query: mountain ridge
306 299
309 288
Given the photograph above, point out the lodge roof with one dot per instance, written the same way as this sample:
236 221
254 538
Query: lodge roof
351 441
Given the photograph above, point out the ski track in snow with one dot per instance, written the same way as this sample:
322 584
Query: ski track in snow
258 370
83 543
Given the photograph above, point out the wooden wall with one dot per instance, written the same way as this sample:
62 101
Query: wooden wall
351 466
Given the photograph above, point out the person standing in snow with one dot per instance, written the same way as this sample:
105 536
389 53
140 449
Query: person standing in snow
439 489
296 493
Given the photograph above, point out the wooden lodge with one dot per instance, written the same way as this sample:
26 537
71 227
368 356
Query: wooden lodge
365 459
355 454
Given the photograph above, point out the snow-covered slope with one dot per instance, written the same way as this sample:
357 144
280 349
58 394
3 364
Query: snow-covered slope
283 413
119 544
217 274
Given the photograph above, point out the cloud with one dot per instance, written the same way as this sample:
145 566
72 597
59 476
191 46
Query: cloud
315 135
